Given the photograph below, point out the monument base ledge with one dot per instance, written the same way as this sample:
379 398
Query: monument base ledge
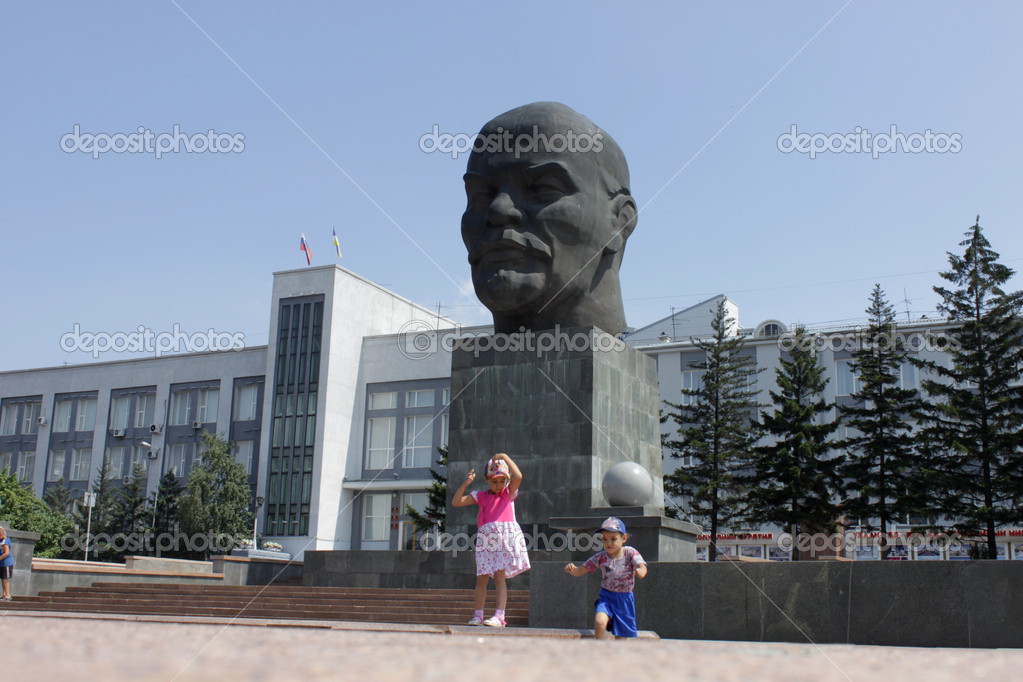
657 537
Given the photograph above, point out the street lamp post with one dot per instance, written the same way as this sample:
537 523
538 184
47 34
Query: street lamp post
89 498
255 521
156 490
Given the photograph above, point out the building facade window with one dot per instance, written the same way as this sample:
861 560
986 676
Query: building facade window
907 376
246 422
209 402
20 416
8 419
243 454
145 404
176 456
138 457
26 467
55 471
376 517
62 416
423 398
245 402
31 413
387 400
81 462
115 461
180 414
692 380
380 449
86 415
418 441
293 430
848 379
119 409
405 424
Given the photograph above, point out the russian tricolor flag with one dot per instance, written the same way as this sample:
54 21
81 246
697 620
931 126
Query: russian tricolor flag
305 247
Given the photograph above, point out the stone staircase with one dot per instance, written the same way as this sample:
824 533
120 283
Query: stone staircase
382 605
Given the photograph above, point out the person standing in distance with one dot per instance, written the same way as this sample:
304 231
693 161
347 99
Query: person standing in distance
6 563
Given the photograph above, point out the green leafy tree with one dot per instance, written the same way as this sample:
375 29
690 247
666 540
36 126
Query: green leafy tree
879 464
24 511
974 415
435 513
218 497
792 480
59 498
715 427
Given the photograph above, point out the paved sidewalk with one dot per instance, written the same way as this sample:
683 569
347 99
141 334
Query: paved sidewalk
102 649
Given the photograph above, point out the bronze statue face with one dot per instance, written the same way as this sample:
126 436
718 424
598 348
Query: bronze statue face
543 228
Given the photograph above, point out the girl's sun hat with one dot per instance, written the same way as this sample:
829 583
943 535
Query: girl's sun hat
497 467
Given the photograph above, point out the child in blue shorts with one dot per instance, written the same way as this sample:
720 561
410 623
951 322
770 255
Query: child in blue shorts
620 566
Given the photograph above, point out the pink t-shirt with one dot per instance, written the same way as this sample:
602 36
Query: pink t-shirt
493 507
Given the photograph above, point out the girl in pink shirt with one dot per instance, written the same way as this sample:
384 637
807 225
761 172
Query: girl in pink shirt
500 546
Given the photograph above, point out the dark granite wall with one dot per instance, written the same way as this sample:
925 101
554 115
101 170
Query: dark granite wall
911 603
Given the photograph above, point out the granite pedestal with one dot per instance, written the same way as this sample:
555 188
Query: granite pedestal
566 405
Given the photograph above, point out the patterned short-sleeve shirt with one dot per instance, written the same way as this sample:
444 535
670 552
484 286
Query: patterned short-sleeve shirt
618 575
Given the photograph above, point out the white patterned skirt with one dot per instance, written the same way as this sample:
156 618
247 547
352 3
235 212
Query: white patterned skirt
500 546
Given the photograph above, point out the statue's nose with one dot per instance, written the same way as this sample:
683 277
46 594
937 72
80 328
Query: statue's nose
502 211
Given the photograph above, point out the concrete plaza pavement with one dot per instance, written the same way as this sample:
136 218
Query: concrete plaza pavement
39 647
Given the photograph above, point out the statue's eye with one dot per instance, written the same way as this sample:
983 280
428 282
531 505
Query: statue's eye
547 191
479 193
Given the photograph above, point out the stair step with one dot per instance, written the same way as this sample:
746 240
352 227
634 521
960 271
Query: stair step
370 616
397 598
281 602
419 609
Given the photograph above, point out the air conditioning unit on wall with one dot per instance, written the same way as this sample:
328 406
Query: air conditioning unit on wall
119 433
155 428
196 425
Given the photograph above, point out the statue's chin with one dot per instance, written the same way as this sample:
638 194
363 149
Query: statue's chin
507 290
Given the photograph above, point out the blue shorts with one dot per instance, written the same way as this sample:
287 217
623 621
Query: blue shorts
620 608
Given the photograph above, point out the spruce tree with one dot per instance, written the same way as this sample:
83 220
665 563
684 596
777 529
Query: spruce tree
793 481
165 507
130 517
435 513
98 521
974 416
715 426
59 498
880 447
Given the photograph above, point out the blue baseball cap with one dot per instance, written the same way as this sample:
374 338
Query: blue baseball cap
613 523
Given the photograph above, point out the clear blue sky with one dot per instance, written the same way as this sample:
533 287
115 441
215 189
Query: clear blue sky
332 99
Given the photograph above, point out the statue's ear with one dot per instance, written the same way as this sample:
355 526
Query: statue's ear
623 209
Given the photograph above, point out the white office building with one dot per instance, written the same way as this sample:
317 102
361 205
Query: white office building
337 419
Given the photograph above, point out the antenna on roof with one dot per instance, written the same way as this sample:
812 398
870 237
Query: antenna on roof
907 300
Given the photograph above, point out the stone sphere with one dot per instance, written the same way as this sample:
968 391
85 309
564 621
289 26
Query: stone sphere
627 484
